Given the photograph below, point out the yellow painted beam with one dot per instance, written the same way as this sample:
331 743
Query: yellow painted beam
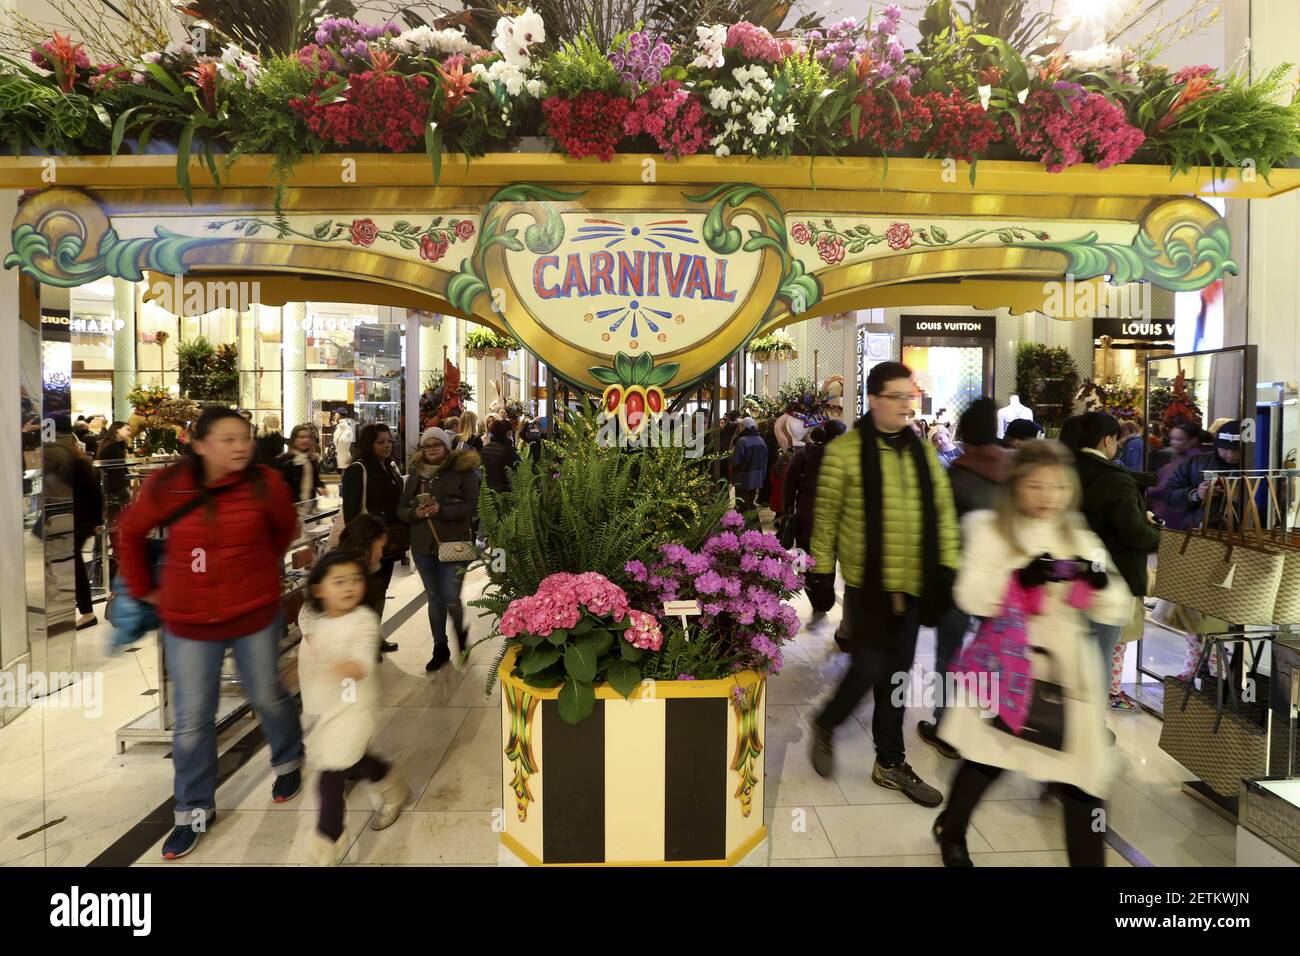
854 174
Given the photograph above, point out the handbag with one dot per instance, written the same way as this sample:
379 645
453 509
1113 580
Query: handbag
787 530
1221 747
336 529
453 551
1045 724
1220 573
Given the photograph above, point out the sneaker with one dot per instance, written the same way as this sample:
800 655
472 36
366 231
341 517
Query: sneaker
953 852
904 778
287 786
185 838
929 732
823 750
1123 704
441 655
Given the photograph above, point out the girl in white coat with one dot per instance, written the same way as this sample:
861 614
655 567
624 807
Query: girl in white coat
1037 537
337 674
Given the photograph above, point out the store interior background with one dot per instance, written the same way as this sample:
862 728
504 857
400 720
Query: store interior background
294 362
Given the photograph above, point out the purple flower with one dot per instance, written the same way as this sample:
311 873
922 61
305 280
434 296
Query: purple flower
713 608
764 645
710 582
771 568
746 614
726 541
731 586
685 677
1073 89
675 552
738 692
697 563
636 570
657 583
733 520
749 561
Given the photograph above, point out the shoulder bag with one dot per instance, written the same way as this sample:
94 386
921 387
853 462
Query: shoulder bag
453 551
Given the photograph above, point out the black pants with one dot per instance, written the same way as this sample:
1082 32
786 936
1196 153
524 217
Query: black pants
82 579
332 805
881 650
384 577
746 498
1084 843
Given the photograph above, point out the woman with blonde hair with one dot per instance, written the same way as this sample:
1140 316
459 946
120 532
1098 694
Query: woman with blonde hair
1038 576
270 443
469 436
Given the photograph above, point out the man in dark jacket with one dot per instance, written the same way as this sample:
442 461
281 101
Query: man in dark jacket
1115 509
748 463
1189 487
730 429
499 456
974 478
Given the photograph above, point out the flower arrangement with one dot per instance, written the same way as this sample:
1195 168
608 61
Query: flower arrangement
742 581
1047 381
734 87
482 343
774 347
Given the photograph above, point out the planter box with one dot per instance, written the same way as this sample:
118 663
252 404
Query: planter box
499 354
671 776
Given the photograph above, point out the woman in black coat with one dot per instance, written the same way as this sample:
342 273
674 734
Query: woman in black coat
300 465
372 469
799 490
499 456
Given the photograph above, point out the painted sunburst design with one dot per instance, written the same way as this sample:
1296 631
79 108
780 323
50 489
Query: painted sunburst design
657 233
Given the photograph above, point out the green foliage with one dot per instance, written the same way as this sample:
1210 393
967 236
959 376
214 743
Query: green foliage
1046 381
262 122
700 656
35 112
1238 125
208 373
489 339
820 104
266 26
580 66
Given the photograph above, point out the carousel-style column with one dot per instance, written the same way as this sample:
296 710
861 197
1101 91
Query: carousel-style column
124 338
248 327
293 339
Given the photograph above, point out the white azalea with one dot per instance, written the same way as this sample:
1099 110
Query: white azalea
760 122
536 89
722 150
720 97
786 124
428 40
986 93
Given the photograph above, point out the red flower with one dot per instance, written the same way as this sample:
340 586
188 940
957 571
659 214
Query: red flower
204 76
364 232
961 129
591 124
990 75
800 233
464 230
433 246
899 235
831 249
64 57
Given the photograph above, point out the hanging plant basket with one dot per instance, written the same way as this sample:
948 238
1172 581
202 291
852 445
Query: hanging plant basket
775 355
497 353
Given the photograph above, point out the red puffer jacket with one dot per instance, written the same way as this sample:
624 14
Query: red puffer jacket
221 578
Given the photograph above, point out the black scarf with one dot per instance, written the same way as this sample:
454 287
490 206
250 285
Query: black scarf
936 586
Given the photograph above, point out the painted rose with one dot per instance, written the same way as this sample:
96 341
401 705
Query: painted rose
831 249
899 235
364 232
433 248
800 233
464 230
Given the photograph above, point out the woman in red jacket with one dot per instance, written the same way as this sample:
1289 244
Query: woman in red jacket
219 589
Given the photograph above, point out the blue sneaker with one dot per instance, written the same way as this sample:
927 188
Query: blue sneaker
184 839
287 786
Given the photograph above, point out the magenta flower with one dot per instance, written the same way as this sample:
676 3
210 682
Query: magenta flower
733 520
636 571
710 582
685 677
697 563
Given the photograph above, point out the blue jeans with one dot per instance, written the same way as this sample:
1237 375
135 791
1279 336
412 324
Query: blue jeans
1106 636
194 669
442 583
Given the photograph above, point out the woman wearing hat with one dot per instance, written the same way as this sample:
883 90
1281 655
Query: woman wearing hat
439 501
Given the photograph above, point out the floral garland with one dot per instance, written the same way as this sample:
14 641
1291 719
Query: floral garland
833 244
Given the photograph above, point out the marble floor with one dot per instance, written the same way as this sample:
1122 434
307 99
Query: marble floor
59 769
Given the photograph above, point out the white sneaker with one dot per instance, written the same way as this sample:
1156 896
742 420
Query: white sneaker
322 851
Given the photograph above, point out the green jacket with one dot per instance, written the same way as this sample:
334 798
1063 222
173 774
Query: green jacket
839 521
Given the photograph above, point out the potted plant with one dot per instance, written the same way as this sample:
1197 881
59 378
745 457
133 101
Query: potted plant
774 347
595 661
486 343
1046 381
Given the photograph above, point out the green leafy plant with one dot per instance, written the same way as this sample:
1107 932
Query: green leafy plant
1046 381
36 112
267 26
579 66
762 349
208 373
821 103
489 340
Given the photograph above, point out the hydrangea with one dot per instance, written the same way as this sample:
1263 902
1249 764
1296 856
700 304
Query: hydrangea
644 632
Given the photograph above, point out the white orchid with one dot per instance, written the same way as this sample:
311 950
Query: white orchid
428 40
986 94
236 64
536 89
710 41
514 35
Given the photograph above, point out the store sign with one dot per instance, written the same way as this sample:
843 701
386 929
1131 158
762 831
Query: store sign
630 297
1134 329
920 326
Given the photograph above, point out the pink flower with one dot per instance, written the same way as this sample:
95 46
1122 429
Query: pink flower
733 520
800 233
645 632
364 232
899 235
464 230
831 249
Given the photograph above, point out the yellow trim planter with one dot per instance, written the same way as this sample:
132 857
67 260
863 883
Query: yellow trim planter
671 776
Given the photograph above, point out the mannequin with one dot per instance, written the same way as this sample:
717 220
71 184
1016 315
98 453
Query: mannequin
1011 412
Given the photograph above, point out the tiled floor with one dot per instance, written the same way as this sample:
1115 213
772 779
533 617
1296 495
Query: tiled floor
444 732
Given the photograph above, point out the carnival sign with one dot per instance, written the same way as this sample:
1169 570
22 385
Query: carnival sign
630 300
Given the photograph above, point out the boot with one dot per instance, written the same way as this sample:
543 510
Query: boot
388 797
322 851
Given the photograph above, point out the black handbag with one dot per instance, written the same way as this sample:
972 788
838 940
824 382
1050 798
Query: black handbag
1045 725
787 529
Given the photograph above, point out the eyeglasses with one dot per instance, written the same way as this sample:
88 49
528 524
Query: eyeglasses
896 396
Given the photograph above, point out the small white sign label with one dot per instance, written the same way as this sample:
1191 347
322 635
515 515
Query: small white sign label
681 607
